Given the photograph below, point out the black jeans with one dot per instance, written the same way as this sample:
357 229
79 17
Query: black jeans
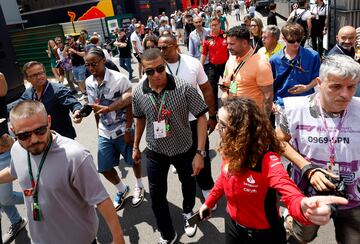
204 179
236 234
214 73
317 42
157 168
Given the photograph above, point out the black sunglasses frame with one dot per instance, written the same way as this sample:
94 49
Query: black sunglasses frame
159 69
40 131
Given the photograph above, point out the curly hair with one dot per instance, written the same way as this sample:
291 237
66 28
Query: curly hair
248 135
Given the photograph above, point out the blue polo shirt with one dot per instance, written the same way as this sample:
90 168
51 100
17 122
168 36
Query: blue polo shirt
306 67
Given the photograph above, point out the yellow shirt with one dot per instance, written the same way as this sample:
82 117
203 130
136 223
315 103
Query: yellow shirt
263 52
255 73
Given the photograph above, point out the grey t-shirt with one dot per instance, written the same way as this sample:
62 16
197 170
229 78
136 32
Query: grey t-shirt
69 188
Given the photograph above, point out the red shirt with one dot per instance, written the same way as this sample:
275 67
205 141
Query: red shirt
246 193
216 47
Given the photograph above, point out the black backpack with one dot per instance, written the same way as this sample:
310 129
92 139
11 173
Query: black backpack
298 19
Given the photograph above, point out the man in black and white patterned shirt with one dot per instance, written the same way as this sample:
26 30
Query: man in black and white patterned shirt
162 103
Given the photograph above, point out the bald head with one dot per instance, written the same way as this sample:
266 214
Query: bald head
346 37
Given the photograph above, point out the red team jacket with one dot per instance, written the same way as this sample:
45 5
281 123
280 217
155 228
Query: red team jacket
251 196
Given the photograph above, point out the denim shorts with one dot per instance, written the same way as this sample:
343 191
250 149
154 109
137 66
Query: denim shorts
79 73
109 151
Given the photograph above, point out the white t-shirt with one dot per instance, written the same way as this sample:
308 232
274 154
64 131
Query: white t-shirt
299 11
164 18
135 38
190 70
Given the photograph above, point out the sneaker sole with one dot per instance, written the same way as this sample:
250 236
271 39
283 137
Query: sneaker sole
122 202
138 203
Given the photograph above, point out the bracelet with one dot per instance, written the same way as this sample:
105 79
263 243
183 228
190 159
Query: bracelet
135 149
305 169
127 129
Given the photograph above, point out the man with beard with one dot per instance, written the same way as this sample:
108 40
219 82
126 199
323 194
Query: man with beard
59 181
247 74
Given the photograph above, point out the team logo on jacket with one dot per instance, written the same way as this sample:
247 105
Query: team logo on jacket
250 180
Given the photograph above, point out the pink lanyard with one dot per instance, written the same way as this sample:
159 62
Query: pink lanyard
332 138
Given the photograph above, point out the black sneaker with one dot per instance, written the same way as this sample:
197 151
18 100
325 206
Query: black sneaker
14 230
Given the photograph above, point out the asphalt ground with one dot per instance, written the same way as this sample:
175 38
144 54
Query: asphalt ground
139 223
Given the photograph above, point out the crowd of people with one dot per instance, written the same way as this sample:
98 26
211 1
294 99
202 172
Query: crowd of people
286 120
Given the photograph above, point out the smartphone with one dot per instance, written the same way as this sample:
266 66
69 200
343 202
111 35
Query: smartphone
195 218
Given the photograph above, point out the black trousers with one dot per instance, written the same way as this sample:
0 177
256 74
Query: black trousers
204 179
236 234
214 73
157 168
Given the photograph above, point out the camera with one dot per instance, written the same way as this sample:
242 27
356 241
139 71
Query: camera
85 110
340 188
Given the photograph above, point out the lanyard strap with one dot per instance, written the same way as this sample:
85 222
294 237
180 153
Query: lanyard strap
242 63
34 185
332 138
101 90
153 101
35 98
177 69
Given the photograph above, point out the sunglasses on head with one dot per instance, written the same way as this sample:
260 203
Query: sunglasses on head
290 41
159 69
23 136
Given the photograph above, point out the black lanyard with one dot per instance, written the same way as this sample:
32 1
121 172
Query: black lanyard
35 185
177 69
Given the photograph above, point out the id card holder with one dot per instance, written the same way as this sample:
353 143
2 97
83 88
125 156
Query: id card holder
333 168
232 88
159 129
37 212
317 17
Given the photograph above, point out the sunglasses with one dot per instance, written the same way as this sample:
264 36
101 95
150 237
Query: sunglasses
159 69
36 75
23 136
293 41
164 48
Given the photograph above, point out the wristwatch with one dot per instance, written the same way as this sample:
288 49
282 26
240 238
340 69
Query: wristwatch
212 117
201 152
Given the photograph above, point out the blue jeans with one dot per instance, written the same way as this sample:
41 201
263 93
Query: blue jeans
126 64
8 198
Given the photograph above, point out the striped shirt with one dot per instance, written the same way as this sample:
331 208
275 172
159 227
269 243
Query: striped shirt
181 99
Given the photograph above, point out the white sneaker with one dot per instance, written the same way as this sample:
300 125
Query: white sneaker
205 195
173 169
189 230
138 196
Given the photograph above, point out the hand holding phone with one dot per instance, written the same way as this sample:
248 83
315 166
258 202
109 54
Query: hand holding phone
195 218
